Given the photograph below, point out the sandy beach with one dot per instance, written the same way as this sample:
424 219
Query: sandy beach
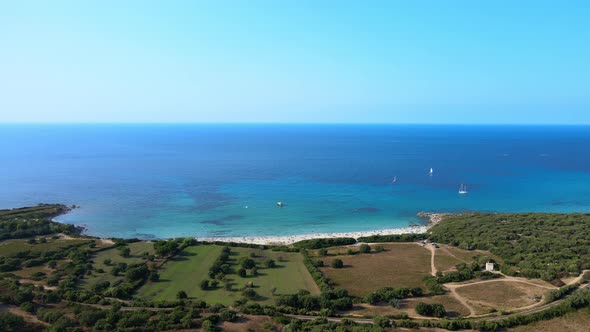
434 218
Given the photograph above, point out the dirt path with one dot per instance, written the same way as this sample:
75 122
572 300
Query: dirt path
452 287
461 299
578 278
432 249
505 279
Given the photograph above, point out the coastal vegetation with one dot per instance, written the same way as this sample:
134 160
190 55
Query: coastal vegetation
61 281
533 245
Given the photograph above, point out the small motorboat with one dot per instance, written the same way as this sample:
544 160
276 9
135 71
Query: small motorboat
280 204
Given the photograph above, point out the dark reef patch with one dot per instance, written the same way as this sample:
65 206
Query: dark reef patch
222 221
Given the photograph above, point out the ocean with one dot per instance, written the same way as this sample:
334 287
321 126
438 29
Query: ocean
160 181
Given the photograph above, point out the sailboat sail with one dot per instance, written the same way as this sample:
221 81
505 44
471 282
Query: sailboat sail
463 189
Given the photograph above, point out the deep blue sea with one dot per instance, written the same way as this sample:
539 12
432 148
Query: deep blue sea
164 181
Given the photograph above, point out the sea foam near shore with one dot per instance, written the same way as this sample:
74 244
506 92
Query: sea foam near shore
433 219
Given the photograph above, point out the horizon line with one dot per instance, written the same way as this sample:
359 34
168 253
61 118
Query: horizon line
297 123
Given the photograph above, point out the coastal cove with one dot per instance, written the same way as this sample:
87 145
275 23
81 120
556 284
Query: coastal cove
223 181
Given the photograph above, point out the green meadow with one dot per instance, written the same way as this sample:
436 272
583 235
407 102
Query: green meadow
188 269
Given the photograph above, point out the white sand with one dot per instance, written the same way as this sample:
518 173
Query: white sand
295 238
434 218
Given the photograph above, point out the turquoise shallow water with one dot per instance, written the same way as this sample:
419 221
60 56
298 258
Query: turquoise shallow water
224 180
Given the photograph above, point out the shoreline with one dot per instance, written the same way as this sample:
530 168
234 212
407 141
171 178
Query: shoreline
433 219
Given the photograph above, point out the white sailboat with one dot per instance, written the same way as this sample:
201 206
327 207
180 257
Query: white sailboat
463 189
431 171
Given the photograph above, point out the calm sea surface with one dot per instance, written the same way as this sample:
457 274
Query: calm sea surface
225 180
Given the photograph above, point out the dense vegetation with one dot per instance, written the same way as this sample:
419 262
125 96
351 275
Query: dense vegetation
72 303
324 243
392 238
533 244
32 221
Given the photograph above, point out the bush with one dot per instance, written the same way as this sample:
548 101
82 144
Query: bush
430 310
248 263
337 263
270 263
181 295
228 315
324 243
124 251
364 248
249 293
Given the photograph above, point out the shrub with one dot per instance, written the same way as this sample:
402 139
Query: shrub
249 293
181 295
430 310
248 263
337 263
228 315
364 248
324 243
270 263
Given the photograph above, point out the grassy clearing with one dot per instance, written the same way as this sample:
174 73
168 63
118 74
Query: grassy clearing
500 295
184 272
13 247
137 249
29 271
400 265
189 269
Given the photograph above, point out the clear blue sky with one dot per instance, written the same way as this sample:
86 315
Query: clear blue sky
295 61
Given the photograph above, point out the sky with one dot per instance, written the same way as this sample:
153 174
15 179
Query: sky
295 61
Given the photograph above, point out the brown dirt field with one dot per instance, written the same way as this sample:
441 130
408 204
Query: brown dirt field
452 306
401 265
447 257
573 322
500 295
250 323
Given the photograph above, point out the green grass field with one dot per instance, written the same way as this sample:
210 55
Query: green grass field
137 249
12 247
190 268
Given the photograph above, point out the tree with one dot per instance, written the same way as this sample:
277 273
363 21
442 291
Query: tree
124 251
270 263
323 252
365 248
249 293
378 248
181 295
248 263
204 284
431 310
242 272
337 263
154 276
228 315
